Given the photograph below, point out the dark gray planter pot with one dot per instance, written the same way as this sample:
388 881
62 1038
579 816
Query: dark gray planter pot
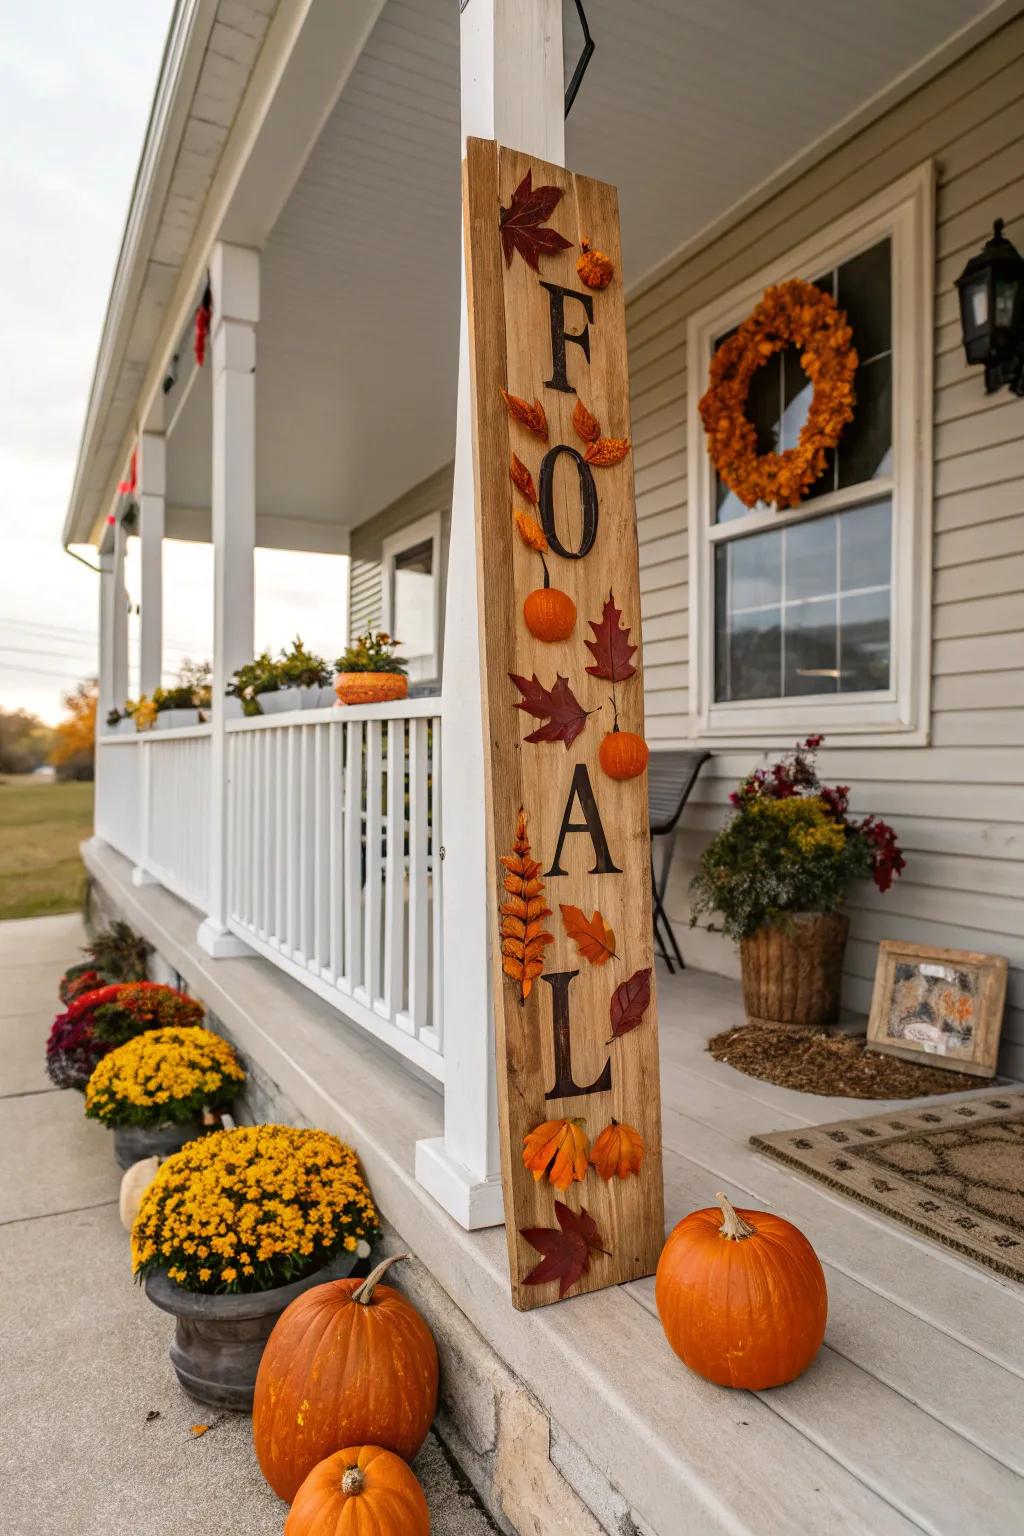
133 1142
219 1340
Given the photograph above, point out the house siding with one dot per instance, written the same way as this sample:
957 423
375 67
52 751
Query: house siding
958 803
367 541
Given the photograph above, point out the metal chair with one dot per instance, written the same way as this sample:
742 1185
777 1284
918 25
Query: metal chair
670 778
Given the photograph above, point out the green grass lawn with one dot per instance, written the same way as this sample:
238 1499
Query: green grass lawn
41 826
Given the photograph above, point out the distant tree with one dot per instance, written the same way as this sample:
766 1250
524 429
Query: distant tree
74 738
25 741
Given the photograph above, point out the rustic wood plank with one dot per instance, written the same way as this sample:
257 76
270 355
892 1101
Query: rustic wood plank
511 346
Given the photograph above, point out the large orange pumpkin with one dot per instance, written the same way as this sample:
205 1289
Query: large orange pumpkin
348 1363
364 1491
741 1296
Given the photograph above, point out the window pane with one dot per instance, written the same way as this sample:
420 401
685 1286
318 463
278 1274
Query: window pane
754 654
763 409
755 571
865 448
811 558
413 600
865 558
864 292
864 642
810 648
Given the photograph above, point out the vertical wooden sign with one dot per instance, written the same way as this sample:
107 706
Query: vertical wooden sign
568 843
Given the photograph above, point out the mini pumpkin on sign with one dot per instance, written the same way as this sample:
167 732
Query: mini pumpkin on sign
741 1297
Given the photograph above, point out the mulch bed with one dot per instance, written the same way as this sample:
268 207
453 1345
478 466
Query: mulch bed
835 1065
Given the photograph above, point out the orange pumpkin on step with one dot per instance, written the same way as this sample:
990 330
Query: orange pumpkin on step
550 615
348 1363
364 1491
741 1297
623 754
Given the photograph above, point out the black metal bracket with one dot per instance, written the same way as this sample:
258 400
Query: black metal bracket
582 63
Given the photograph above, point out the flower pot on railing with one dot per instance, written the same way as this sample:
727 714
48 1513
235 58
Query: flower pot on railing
370 687
792 971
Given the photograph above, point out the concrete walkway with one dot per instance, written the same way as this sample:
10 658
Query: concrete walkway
95 1437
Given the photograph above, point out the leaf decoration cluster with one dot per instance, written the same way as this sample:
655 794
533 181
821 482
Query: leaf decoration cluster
561 711
617 1152
523 224
523 936
601 452
611 649
559 1150
532 417
593 938
566 1248
522 479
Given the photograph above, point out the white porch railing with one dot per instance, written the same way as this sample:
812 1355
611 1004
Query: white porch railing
333 861
152 805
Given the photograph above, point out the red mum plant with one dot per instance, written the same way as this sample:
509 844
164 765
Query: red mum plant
98 1020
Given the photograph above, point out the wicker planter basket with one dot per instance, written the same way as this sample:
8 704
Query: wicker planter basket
370 687
792 975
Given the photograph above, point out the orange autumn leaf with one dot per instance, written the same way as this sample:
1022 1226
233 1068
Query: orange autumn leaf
532 417
605 451
199 1429
531 532
585 423
522 479
617 1152
593 937
523 936
559 1149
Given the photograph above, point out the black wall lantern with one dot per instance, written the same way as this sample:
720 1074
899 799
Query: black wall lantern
991 289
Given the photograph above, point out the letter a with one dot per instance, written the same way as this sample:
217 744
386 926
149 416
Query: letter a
582 791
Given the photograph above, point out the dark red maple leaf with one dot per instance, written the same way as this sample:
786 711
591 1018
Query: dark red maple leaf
630 1001
522 224
610 646
563 714
566 1251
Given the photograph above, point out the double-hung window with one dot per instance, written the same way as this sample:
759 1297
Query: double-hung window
411 580
816 617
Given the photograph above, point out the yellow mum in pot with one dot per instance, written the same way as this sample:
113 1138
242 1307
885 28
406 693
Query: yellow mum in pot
162 1076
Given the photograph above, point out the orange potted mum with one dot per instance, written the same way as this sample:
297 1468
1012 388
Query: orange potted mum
370 672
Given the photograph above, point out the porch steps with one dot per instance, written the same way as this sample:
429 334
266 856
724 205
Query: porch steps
910 1420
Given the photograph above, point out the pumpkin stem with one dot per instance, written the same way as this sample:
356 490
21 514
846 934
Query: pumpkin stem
364 1293
547 578
353 1482
733 1227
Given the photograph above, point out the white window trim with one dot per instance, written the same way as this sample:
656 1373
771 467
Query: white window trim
905 212
427 669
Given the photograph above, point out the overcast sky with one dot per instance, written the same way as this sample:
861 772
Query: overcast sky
76 82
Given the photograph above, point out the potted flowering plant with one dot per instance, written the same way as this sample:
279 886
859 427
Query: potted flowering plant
778 872
296 679
232 1229
369 672
183 703
153 1090
102 1016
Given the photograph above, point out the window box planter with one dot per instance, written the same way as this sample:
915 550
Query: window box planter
173 719
219 1340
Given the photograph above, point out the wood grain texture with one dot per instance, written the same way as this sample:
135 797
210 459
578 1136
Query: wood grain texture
511 349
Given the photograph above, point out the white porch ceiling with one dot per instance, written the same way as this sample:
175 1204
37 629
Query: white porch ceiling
687 107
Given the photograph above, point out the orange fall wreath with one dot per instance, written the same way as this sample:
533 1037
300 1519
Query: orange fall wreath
791 314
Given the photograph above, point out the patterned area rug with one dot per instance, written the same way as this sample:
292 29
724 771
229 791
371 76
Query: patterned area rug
954 1173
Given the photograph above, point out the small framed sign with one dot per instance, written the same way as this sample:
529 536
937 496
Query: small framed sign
940 1005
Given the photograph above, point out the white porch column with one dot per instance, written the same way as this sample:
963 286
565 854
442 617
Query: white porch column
116 620
512 90
151 493
106 636
235 281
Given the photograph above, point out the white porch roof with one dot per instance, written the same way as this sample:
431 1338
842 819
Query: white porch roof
692 111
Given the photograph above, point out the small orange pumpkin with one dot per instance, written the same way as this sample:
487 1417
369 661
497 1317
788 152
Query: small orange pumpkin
550 615
364 1491
623 754
741 1297
348 1363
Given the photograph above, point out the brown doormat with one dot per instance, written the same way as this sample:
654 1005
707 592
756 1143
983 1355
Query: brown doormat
955 1172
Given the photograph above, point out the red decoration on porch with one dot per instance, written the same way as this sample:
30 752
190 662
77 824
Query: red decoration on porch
793 314
522 224
522 479
566 1251
563 715
126 486
610 647
203 314
532 417
594 267
630 1002
585 423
